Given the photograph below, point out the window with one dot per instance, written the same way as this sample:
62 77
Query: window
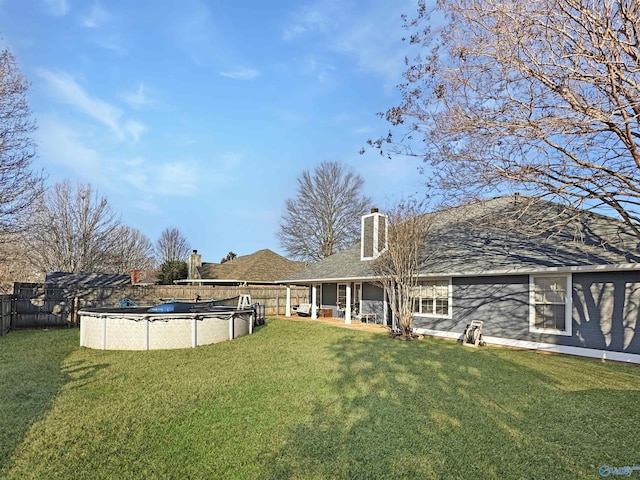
550 310
356 296
342 295
432 297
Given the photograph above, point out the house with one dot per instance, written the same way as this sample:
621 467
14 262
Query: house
537 275
263 267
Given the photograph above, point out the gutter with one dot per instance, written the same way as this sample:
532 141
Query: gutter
621 267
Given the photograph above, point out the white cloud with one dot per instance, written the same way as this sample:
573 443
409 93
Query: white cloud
62 146
374 49
136 129
68 91
194 30
112 42
363 130
138 98
318 17
57 8
184 140
96 18
179 178
65 150
241 73
147 206
138 175
320 69
134 162
366 33
181 138
96 21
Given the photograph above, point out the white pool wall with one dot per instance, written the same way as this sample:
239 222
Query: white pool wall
129 331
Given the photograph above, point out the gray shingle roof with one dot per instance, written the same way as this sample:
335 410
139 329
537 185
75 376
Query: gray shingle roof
503 235
63 279
263 266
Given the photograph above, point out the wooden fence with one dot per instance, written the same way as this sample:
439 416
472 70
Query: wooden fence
46 305
5 313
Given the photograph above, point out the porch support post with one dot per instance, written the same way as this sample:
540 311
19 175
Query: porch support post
287 308
347 307
385 307
393 315
314 301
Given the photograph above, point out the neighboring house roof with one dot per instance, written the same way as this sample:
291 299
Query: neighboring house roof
63 279
263 266
505 235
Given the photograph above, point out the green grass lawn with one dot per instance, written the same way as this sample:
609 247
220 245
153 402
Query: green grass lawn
307 400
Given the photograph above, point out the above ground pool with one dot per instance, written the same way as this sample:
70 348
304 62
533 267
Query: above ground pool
138 328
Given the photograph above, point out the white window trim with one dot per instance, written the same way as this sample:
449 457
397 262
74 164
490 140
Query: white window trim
450 299
354 288
338 285
357 299
568 308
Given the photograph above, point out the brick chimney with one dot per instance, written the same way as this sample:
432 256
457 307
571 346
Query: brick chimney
194 261
135 276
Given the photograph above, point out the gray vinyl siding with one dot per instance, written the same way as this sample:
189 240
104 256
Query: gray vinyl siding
441 324
606 311
501 303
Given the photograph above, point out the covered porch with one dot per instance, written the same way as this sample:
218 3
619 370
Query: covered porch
349 301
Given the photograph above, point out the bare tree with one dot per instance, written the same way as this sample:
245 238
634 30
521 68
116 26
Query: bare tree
172 246
324 217
397 268
19 184
76 231
133 250
14 263
541 97
75 228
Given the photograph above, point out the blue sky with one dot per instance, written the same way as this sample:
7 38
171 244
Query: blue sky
200 114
